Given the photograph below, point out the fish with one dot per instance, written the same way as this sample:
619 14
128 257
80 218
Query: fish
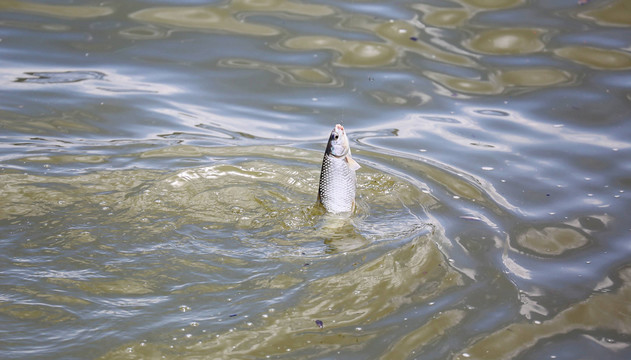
337 176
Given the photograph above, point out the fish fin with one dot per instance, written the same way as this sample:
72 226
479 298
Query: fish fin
352 163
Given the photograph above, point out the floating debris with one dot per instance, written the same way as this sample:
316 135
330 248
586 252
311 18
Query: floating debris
60 77
319 323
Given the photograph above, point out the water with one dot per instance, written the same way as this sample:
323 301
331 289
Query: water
160 163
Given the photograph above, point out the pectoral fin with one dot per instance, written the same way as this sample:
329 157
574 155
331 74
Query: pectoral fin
352 163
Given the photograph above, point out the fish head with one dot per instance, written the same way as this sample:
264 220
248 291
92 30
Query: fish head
338 142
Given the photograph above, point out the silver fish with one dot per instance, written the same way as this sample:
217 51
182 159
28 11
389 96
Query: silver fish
337 177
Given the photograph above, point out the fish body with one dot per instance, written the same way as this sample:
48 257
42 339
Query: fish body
337 177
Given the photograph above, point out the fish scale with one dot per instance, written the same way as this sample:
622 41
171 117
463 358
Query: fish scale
337 185
337 178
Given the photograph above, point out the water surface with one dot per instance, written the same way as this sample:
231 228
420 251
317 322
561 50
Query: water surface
160 162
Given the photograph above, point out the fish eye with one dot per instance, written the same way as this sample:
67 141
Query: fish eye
335 136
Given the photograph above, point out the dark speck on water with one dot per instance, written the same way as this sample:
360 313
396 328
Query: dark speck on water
160 153
60 77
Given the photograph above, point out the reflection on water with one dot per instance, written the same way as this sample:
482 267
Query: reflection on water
596 58
507 41
356 53
227 17
602 311
535 77
617 13
288 75
64 11
491 4
60 77
202 18
552 241
159 165
414 273
443 17
272 201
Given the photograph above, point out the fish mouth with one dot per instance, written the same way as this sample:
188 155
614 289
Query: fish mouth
339 141
339 130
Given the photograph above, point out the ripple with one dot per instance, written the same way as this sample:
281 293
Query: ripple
229 17
538 77
602 311
491 4
552 240
507 41
449 18
42 314
143 33
179 188
65 11
32 25
336 305
442 119
203 18
288 74
388 98
596 58
79 83
60 77
271 198
124 286
352 53
281 6
614 14
405 36
467 86
492 112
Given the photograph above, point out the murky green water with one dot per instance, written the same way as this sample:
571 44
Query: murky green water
160 162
